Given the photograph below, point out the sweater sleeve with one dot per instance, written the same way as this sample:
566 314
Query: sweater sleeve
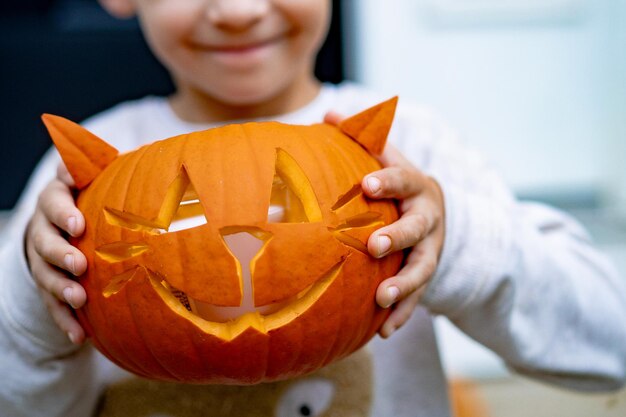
43 374
523 279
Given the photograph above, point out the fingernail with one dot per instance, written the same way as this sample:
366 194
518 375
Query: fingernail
71 225
373 184
384 244
392 293
391 330
69 262
67 294
72 337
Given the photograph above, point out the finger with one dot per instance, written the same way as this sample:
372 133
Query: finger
394 182
49 245
393 157
64 319
57 283
400 314
420 266
58 206
333 118
64 175
407 231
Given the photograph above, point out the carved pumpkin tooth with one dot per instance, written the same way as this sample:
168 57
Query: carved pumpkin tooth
117 282
120 251
354 192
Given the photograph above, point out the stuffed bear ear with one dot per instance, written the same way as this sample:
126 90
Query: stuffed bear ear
371 127
85 155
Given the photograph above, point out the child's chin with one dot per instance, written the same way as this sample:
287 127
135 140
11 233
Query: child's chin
247 97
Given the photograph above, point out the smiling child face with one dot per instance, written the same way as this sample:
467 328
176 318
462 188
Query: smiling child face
238 52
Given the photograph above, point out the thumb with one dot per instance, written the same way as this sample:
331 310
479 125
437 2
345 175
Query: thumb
333 118
64 175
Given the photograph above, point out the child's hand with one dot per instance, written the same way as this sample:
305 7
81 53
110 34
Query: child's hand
420 228
49 254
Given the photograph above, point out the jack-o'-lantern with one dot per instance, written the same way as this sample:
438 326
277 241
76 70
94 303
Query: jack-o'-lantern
232 255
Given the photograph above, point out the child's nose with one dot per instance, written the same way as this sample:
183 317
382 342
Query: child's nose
236 15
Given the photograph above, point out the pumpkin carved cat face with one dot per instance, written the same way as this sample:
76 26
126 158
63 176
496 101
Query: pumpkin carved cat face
232 255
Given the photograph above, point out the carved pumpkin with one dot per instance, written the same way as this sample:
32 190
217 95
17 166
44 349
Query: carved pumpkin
232 255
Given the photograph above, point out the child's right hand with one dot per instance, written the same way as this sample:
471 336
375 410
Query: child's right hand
50 256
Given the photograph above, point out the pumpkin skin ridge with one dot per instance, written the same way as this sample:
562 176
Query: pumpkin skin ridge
337 152
344 347
380 314
258 168
165 368
177 376
309 138
119 164
137 162
192 343
335 330
124 360
332 354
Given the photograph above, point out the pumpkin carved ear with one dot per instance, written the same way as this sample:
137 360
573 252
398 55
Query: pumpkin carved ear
85 155
371 127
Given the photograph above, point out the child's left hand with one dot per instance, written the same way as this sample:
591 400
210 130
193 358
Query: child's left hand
420 228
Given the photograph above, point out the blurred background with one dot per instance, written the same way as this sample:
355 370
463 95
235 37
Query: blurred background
537 86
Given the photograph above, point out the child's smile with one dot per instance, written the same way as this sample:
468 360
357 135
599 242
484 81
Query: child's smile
240 55
255 54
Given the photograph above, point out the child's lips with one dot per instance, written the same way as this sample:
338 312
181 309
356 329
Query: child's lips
239 47
241 54
242 47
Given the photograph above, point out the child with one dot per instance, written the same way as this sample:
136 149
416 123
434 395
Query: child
520 278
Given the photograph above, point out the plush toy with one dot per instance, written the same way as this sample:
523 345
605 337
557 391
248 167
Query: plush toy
342 389
234 255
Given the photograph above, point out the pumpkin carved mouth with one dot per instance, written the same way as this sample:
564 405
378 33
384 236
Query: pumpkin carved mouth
228 322
287 310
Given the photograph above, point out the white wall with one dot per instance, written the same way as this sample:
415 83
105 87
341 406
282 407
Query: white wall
618 25
538 85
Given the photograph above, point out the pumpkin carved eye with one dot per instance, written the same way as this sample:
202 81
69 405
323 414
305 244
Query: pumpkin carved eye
190 213
292 192
181 209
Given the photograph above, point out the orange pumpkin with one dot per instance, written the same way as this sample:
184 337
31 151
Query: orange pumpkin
232 255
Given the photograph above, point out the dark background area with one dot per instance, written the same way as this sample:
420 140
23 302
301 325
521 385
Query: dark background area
70 58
